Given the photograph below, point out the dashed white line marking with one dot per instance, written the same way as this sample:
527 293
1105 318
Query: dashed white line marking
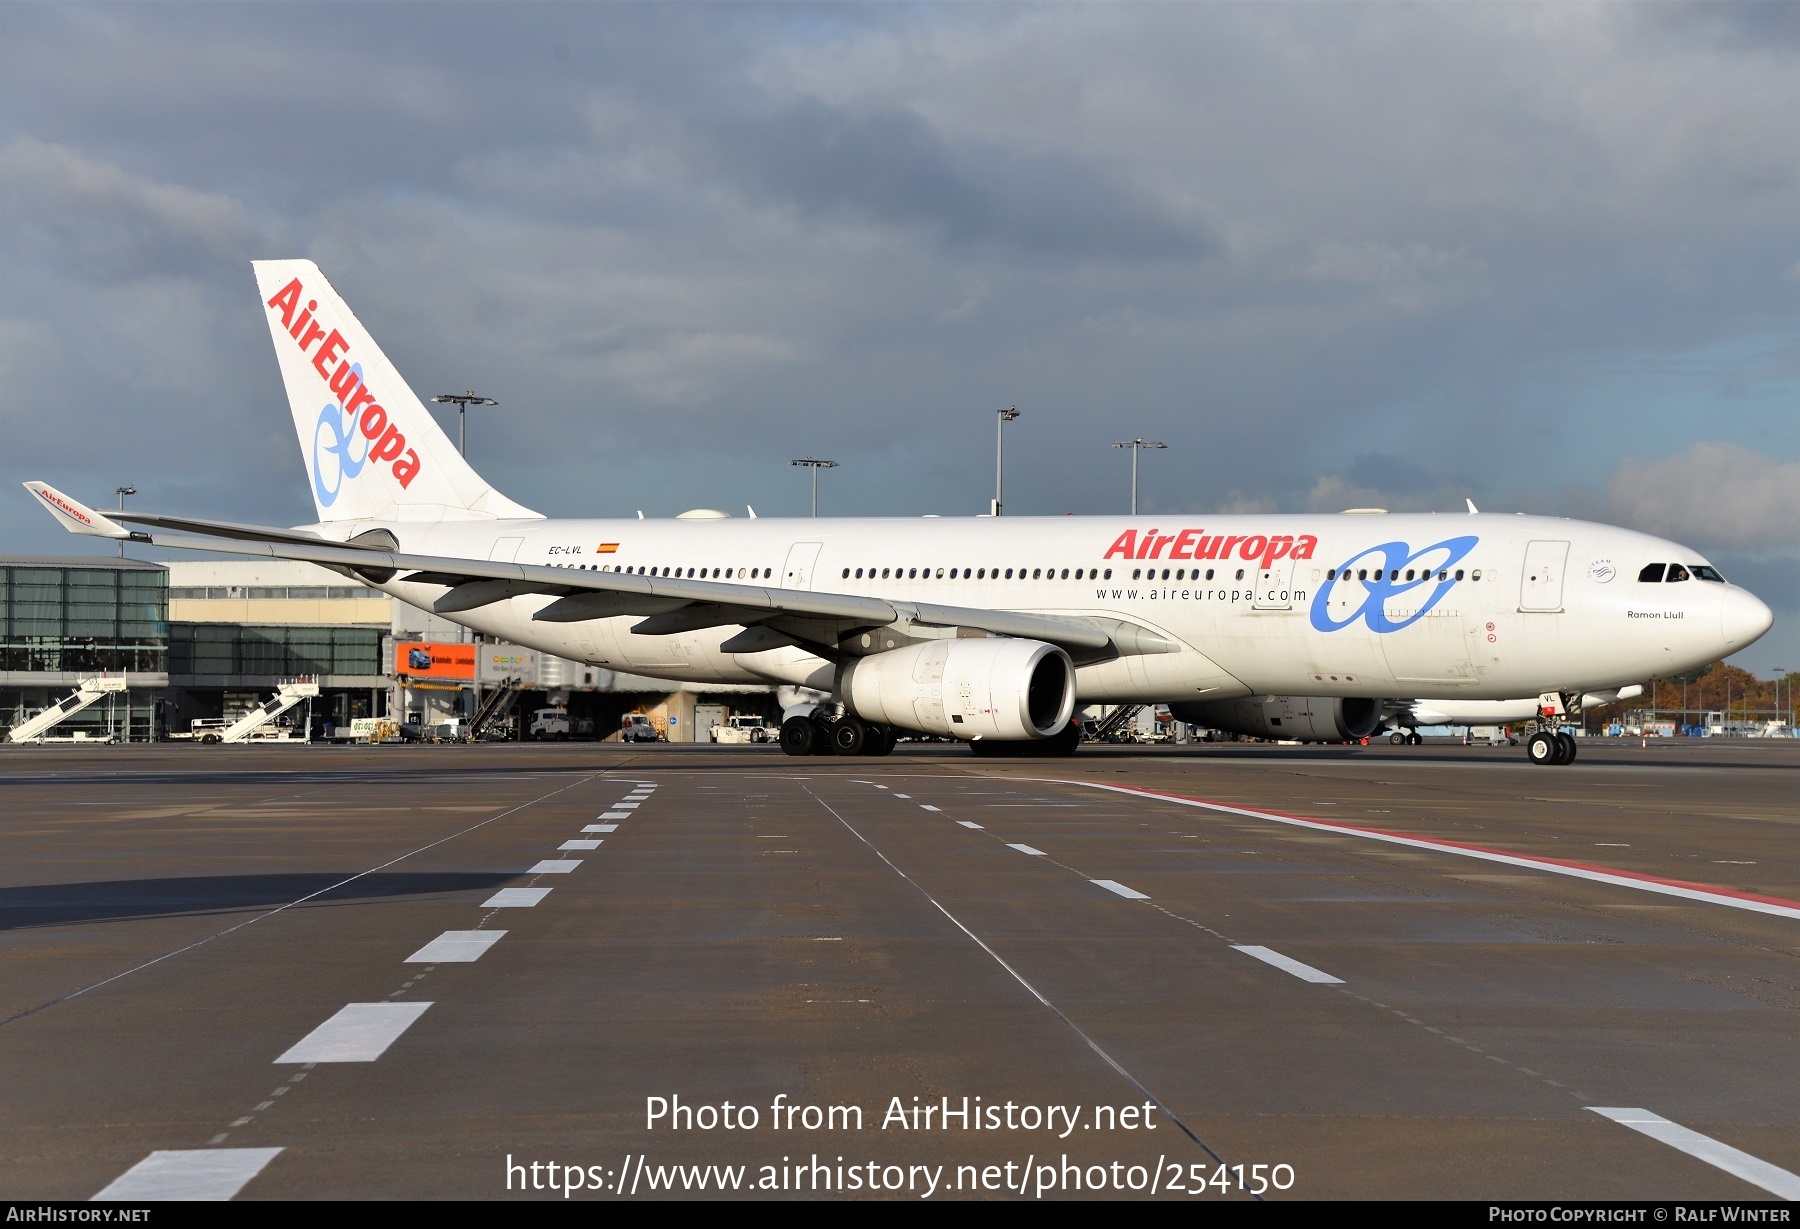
965 823
908 797
1113 885
615 815
1757 1172
601 828
625 806
456 947
515 898
1287 964
881 787
1026 849
926 807
554 866
194 1174
359 1033
579 845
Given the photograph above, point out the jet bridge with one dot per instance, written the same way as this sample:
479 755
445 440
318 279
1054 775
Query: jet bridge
86 693
290 694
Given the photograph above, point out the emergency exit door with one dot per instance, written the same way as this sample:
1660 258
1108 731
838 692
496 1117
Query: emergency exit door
1541 583
797 573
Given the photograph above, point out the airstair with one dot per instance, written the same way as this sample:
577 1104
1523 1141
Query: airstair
1115 723
86 693
290 694
498 703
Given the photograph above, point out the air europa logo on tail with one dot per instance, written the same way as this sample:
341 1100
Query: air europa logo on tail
355 410
1197 544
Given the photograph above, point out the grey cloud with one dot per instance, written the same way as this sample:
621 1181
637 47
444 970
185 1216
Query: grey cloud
891 164
1712 494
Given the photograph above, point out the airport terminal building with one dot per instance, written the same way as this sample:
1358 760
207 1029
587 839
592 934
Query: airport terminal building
210 638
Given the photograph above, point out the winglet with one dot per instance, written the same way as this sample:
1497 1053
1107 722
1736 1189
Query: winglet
76 516
1473 510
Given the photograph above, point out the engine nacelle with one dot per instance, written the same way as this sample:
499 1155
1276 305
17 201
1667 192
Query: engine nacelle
988 688
1311 719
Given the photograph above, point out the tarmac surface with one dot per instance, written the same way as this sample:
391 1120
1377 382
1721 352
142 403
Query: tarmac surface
1383 972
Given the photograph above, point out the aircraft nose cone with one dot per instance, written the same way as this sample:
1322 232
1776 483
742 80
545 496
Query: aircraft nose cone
1744 617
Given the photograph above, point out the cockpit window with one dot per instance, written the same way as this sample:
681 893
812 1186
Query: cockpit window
1676 572
1652 574
1708 572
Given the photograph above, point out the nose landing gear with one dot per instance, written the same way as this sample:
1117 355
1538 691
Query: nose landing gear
1548 744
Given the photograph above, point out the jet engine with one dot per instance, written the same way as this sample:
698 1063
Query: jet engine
1304 718
986 688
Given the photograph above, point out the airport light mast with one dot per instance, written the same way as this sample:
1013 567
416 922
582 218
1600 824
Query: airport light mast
1137 446
462 402
1006 416
815 465
122 492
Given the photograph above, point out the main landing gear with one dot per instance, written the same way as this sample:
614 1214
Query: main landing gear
844 736
1405 738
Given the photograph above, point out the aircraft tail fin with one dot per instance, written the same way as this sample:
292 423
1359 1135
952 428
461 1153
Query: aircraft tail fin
372 449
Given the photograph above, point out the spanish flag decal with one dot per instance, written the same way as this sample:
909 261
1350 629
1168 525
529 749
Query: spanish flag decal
607 548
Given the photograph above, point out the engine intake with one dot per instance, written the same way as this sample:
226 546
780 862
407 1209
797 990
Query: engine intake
1311 719
988 688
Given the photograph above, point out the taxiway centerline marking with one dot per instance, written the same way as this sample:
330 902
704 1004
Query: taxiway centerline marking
554 866
573 845
601 828
926 807
967 824
1114 886
358 1033
192 1174
1026 849
616 815
1754 1170
1705 893
1287 964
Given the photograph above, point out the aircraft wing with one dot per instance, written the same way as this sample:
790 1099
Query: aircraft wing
669 604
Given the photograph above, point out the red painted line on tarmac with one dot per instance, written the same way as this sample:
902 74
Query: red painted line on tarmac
1776 905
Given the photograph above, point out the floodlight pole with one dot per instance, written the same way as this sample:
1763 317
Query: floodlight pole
815 465
1005 416
462 402
122 492
1137 446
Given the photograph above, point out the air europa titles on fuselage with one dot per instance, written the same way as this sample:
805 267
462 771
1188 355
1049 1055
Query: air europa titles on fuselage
386 442
1196 544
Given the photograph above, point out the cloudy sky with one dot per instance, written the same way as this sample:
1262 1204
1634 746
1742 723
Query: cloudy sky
1333 255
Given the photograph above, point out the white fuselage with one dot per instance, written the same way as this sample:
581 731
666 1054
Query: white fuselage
1432 607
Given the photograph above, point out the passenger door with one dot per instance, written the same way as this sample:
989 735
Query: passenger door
1541 583
797 573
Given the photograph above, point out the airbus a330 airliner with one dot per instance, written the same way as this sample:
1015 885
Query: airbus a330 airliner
985 629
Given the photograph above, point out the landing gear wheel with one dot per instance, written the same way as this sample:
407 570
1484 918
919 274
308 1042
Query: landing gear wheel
1542 748
1565 746
988 748
1414 739
759 735
1063 743
1397 738
798 735
879 740
849 736
823 732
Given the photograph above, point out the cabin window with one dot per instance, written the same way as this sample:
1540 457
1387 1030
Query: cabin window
1652 574
1209 573
1137 574
1108 575
940 573
1676 573
859 573
1459 573
1240 574
1475 575
1443 575
913 575
846 575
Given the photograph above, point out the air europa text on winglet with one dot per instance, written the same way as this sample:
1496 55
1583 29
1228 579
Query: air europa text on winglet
387 443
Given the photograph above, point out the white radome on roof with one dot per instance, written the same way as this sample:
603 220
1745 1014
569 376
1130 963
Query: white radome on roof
704 514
